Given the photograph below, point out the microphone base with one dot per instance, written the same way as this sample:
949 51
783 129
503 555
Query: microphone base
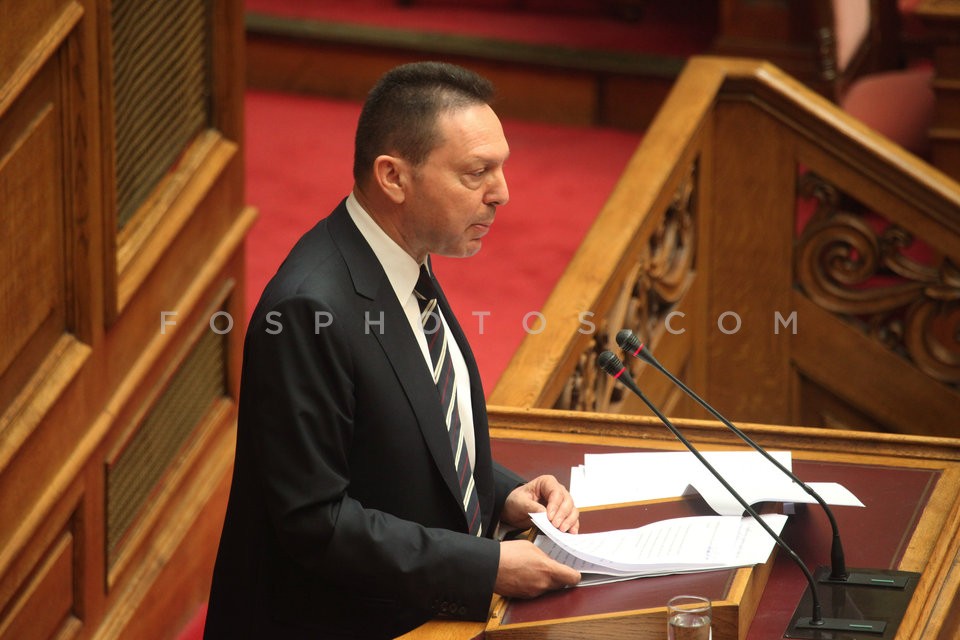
871 578
873 627
868 608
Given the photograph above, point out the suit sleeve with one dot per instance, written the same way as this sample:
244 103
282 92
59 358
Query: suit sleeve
505 482
299 400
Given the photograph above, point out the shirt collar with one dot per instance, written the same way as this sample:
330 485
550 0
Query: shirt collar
401 269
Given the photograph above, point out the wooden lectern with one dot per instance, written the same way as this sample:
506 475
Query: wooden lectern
911 522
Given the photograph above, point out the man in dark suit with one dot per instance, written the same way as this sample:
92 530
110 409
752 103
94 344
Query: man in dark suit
364 497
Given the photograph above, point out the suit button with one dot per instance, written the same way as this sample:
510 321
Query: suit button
462 611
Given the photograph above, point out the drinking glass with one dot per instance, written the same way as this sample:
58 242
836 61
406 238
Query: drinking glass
688 618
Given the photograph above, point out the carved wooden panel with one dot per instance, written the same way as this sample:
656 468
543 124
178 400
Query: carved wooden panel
660 277
878 277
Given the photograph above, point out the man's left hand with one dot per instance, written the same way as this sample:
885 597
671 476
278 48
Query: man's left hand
544 493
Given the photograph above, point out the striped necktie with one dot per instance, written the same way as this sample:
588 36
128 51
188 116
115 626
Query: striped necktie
445 378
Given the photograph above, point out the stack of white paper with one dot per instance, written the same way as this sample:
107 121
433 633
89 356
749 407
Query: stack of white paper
631 477
679 545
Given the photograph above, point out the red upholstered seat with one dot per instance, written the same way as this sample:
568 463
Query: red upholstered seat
898 104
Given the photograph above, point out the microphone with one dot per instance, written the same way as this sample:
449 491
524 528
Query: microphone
614 367
895 604
629 342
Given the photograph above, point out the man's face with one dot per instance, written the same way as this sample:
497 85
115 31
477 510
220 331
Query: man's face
453 195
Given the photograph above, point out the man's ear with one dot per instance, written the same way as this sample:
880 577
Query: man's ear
391 175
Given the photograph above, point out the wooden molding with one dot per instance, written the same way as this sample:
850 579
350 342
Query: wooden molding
147 236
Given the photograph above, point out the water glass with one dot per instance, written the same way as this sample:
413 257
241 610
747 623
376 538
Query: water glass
688 618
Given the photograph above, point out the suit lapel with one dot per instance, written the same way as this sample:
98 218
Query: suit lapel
376 296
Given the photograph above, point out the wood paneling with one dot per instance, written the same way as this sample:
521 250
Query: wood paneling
552 84
750 231
32 32
46 603
942 19
41 593
873 381
823 407
161 91
148 236
31 227
83 357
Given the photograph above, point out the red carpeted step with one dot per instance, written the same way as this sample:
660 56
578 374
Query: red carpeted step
676 28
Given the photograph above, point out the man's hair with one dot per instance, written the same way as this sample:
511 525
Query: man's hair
400 114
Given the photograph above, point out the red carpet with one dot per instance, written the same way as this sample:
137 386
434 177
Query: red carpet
299 157
676 28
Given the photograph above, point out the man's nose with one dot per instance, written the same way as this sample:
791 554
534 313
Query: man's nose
498 194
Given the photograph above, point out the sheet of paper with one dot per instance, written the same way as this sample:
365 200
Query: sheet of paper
635 476
723 502
615 478
678 545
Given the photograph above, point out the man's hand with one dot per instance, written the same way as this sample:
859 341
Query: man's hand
526 572
544 493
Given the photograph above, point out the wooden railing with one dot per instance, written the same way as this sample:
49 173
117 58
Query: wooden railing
788 263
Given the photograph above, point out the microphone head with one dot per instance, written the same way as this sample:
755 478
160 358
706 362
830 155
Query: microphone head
628 340
631 344
610 363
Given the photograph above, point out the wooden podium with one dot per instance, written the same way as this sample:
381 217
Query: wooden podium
910 486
